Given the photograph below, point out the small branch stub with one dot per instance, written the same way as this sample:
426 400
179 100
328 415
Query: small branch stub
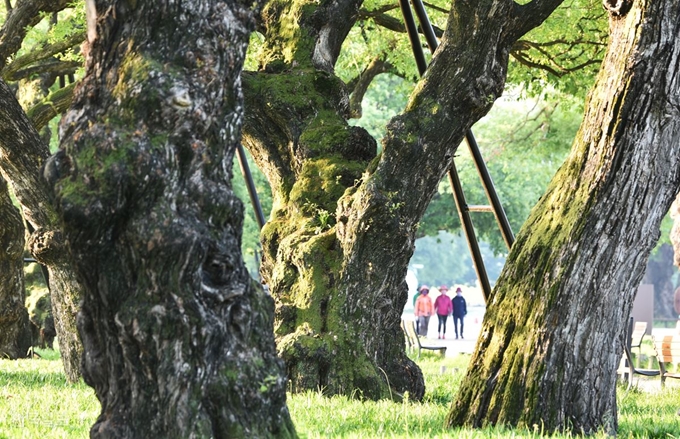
46 246
617 8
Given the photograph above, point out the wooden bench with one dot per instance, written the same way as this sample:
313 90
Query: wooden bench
639 332
667 350
413 342
627 367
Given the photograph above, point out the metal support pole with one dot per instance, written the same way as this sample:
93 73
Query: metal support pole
250 184
468 229
490 190
413 37
425 25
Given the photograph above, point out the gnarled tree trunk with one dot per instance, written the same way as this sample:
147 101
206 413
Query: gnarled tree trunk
553 332
15 332
178 338
22 154
338 243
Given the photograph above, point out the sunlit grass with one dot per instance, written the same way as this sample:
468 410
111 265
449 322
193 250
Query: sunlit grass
37 402
650 414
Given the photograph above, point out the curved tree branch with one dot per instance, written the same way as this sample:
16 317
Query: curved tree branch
53 67
10 70
531 15
377 66
22 153
53 105
25 14
333 32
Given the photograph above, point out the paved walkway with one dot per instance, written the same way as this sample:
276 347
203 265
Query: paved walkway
473 325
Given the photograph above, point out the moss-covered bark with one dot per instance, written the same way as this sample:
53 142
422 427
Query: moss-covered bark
178 338
341 233
551 339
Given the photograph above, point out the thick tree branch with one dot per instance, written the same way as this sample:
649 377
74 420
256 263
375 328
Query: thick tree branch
10 70
53 105
377 66
531 15
337 18
25 14
22 154
53 67
266 135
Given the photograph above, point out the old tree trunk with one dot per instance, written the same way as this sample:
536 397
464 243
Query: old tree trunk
22 154
337 245
15 333
178 338
551 339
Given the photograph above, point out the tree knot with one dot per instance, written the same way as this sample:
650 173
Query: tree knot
46 246
617 8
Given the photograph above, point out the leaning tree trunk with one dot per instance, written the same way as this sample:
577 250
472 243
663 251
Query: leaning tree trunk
15 331
22 154
553 332
337 246
178 338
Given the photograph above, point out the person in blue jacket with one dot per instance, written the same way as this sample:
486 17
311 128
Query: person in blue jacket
459 311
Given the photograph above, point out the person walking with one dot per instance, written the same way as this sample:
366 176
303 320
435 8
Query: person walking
443 307
423 311
415 299
459 311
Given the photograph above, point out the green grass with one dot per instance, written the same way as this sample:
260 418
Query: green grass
37 402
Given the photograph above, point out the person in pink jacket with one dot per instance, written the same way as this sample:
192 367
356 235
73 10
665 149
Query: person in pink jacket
423 311
444 308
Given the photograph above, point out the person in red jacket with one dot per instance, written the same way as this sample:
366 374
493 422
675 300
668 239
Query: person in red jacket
443 307
423 311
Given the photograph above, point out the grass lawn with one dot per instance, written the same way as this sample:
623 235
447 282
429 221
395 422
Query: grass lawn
37 402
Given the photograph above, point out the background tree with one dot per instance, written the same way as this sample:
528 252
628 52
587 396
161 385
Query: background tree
178 338
22 155
552 334
341 233
15 334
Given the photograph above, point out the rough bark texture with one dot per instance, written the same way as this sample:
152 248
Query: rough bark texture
15 332
22 154
178 338
337 246
551 339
